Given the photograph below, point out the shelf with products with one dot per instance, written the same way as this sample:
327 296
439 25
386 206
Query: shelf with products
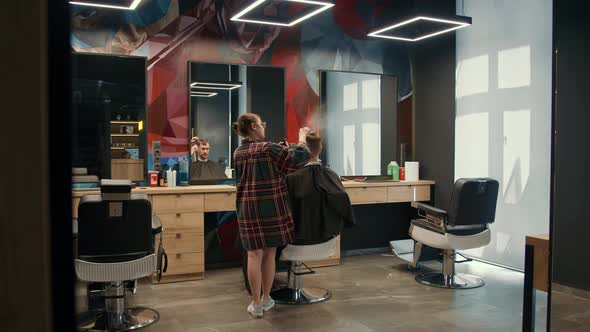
128 127
124 147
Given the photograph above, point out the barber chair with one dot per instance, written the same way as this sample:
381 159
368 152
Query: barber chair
295 293
116 241
464 226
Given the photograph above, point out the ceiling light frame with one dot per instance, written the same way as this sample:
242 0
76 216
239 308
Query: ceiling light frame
133 5
457 21
240 16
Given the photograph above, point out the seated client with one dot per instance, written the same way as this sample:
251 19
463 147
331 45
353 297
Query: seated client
319 203
201 167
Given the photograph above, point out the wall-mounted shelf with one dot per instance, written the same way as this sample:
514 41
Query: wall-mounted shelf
123 148
124 135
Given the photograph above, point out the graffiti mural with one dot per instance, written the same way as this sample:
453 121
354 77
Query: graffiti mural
172 32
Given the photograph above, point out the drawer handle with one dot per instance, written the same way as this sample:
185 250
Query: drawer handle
178 215
178 256
177 195
178 235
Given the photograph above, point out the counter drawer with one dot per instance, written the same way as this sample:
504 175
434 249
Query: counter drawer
183 221
421 193
175 203
367 195
183 242
400 194
187 263
408 194
220 202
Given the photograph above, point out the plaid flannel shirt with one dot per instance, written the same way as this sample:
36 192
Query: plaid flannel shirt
264 218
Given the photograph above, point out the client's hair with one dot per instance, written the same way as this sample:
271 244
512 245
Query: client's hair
244 124
314 142
202 141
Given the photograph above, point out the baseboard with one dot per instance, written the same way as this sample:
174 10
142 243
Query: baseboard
368 251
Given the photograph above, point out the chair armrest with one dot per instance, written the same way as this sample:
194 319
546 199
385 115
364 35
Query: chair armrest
156 225
431 210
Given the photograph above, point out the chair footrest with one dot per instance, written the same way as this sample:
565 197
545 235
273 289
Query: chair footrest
306 295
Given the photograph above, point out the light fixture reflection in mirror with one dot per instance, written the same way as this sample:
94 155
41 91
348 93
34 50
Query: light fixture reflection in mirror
216 85
203 94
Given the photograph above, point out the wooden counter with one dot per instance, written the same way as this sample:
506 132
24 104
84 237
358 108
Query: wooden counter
536 276
181 211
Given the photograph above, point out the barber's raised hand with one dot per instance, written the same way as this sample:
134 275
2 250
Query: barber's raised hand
303 132
194 146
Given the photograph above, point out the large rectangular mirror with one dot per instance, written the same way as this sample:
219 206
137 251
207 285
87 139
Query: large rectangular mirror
109 118
359 122
219 94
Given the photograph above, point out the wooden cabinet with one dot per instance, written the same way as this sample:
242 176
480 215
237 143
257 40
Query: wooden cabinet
182 217
127 169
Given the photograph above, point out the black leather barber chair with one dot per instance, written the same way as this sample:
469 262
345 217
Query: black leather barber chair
463 226
116 241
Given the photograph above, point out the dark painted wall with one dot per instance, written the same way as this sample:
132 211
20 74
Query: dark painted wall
266 94
571 218
434 98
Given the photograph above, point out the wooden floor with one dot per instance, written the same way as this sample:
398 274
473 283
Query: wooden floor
570 312
370 293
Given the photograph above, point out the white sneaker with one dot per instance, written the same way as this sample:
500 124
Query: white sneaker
256 312
268 304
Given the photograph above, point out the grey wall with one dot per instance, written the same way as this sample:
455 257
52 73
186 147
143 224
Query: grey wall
571 217
434 97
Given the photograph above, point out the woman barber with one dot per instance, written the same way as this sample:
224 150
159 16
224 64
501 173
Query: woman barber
264 219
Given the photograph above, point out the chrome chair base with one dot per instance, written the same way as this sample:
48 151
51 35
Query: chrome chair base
132 319
456 281
307 295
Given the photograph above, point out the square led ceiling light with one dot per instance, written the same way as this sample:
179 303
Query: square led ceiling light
114 4
420 27
285 13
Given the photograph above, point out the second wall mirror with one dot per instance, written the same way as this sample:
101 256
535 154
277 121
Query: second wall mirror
360 122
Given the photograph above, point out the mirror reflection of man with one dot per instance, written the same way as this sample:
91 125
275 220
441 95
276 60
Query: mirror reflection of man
201 167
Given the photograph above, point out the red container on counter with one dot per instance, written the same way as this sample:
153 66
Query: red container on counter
402 173
153 175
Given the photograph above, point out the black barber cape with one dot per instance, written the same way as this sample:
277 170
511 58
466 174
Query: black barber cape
207 170
319 204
